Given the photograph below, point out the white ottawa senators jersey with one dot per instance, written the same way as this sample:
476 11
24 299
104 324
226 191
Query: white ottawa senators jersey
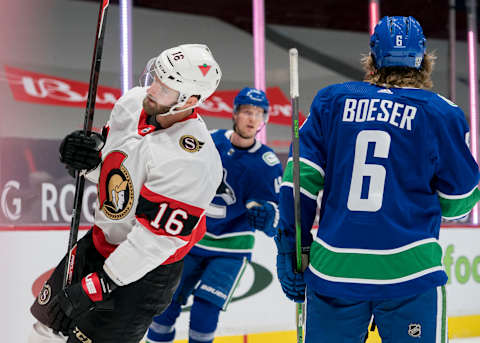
153 188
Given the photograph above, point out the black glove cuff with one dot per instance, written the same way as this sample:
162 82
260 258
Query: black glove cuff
108 283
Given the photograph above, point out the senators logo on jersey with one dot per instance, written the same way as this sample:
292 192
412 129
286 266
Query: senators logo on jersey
190 143
45 294
115 188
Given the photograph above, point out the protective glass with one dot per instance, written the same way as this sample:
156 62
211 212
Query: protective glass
148 75
255 112
162 94
159 92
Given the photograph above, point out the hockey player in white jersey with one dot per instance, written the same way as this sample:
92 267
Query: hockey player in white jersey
156 174
245 201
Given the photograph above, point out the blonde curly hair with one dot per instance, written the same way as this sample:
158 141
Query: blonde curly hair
400 76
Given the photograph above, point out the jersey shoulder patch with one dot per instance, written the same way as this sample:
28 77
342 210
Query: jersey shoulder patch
190 143
270 158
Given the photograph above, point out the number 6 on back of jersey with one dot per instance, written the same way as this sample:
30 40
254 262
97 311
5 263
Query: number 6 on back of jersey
372 202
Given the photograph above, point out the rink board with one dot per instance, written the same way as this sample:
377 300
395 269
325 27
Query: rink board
259 311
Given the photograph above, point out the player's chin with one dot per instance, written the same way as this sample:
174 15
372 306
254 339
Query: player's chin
149 106
161 109
252 131
249 134
152 108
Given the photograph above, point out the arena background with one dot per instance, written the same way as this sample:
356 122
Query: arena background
45 55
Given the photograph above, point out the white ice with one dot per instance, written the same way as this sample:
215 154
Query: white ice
466 340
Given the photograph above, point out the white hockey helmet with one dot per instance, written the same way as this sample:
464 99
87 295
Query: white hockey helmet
189 69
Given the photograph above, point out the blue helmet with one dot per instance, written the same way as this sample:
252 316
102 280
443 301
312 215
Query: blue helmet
398 42
251 96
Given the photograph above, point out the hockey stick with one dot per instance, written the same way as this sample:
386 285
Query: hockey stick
294 94
87 128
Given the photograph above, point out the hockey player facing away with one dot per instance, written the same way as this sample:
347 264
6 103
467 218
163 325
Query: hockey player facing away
392 159
159 172
245 201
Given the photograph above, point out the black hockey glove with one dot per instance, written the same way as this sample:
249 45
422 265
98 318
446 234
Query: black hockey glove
80 152
92 292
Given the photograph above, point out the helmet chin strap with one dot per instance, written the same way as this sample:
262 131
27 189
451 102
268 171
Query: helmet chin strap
174 108
174 111
264 123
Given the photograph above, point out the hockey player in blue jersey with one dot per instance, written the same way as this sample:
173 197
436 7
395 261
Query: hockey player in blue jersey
245 201
391 159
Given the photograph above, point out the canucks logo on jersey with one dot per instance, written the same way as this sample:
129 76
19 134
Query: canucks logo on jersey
250 173
225 192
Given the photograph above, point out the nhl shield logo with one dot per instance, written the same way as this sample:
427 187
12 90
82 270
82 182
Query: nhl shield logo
44 295
415 330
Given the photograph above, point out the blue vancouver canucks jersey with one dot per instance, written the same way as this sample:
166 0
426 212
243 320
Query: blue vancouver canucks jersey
390 163
253 173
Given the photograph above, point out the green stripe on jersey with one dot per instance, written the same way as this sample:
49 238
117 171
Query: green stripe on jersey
377 267
229 243
310 178
457 206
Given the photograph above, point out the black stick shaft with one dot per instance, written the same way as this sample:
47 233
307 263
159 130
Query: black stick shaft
87 127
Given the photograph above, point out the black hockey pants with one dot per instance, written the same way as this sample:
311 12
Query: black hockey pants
134 304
